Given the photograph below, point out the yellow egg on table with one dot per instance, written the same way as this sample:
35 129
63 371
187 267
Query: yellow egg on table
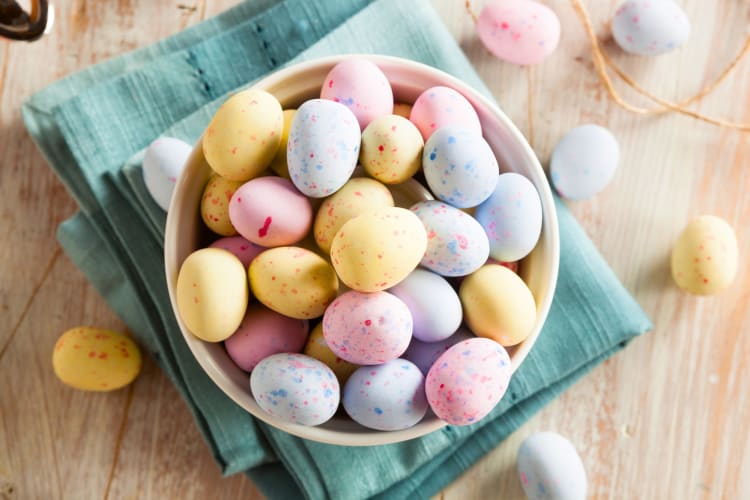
705 256
278 164
212 293
317 348
244 135
93 359
498 305
391 149
215 204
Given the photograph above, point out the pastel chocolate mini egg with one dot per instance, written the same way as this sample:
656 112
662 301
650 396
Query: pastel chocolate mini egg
498 305
459 166
402 109
295 389
468 380
521 32
269 211
387 397
212 293
244 250
317 348
391 149
650 28
323 147
162 165
264 332
93 359
511 217
244 135
278 164
362 87
378 249
584 162
367 328
440 106
293 281
705 256
550 468
357 196
215 204
424 354
456 243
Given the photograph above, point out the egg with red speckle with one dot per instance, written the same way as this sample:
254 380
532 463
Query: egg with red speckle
317 348
162 165
295 388
424 354
391 149
402 109
215 204
367 328
238 246
650 28
440 106
550 468
468 380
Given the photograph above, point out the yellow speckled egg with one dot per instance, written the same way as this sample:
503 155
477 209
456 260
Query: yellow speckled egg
391 149
704 259
215 204
212 293
317 348
402 109
244 135
356 197
92 359
378 249
498 305
293 281
278 164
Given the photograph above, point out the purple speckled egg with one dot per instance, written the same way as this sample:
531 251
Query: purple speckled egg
440 106
244 250
367 328
424 354
550 468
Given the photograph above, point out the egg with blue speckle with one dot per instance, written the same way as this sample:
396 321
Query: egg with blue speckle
550 468
650 28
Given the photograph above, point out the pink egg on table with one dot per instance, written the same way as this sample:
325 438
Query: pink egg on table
521 32
269 211
439 106
244 250
362 87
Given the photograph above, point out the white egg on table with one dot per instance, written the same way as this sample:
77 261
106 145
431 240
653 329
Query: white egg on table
162 166
650 28
550 468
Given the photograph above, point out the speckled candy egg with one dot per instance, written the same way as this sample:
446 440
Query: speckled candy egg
440 106
317 348
278 164
424 354
650 28
295 388
704 258
244 250
244 135
367 328
293 281
459 166
468 380
456 243
550 468
215 204
402 109
387 397
323 147
391 149
511 217
92 359
162 165
362 87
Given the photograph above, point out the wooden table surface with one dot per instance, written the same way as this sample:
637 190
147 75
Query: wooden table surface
668 417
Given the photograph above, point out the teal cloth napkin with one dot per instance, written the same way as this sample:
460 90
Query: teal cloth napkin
93 126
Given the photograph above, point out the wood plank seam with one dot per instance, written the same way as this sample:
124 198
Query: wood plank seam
118 442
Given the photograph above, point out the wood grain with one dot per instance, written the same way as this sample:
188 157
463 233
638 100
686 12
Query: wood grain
666 418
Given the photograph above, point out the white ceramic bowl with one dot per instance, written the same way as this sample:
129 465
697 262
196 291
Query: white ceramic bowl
292 86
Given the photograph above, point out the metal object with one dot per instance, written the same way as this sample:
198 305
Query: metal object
17 24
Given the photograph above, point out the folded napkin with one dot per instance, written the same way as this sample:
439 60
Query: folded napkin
93 126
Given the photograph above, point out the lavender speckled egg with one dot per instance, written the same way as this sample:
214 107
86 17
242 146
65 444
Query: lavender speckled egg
440 106
550 468
650 28
162 165
456 243
323 147
468 380
511 217
295 388
244 250
459 166
367 328
424 354
387 397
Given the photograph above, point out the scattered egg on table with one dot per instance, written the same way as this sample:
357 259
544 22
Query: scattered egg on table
584 162
387 397
215 204
317 348
650 28
424 354
705 256
295 388
402 109
440 106
93 359
391 149
162 165
278 164
244 250
550 468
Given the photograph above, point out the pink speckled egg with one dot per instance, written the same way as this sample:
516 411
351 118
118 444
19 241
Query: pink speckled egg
519 31
362 87
244 250
440 106
468 380
367 328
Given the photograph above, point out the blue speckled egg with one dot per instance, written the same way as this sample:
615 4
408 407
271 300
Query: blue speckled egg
459 166
387 397
424 354
295 388
550 469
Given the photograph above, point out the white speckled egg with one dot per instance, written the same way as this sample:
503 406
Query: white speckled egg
459 166
584 162
650 28
295 388
424 354
550 469
323 147
440 106
162 165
